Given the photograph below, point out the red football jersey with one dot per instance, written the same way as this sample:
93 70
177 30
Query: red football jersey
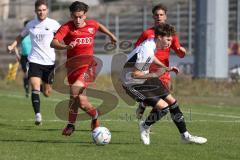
80 63
161 54
149 33
83 36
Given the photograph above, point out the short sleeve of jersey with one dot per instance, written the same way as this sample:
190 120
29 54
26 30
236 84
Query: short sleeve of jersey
56 26
25 30
96 24
175 43
149 33
62 32
142 37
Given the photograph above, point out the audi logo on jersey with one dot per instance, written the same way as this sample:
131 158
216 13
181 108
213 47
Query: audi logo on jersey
86 40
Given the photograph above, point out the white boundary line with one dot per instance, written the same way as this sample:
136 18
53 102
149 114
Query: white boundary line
214 115
23 97
131 107
119 120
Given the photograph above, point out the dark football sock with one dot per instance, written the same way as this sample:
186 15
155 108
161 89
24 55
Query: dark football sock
155 115
26 85
93 113
73 110
177 117
36 101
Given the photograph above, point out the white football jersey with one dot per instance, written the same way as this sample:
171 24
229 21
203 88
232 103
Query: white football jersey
140 58
41 34
145 55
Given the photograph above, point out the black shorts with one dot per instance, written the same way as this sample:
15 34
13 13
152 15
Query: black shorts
150 91
24 63
45 72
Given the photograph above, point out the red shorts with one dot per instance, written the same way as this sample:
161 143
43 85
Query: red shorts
86 75
165 78
82 68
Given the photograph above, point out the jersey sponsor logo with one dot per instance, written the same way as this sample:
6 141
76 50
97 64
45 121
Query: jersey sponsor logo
86 40
91 30
39 37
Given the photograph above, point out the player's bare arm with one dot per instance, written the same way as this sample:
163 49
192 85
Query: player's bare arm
137 74
164 67
178 49
181 52
14 44
104 30
18 57
60 46
159 63
141 75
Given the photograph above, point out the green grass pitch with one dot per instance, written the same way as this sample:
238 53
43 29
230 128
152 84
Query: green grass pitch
20 139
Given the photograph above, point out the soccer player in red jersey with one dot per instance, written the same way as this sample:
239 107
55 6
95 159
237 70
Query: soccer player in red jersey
160 16
78 37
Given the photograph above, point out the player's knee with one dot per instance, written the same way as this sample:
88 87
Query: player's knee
84 104
170 99
152 101
74 96
35 92
47 90
47 93
80 101
74 101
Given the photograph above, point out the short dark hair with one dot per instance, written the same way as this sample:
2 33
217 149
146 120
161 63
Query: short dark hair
78 6
164 29
159 7
40 2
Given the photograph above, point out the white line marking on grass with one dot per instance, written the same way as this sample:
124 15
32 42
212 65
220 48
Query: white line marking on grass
23 97
214 115
119 120
207 114
45 99
131 107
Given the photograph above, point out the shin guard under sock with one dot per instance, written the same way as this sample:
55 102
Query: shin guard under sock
177 117
36 101
155 115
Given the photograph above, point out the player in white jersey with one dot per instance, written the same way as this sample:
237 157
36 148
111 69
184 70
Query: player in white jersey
148 88
42 56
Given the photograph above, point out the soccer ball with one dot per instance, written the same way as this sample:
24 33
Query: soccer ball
101 136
